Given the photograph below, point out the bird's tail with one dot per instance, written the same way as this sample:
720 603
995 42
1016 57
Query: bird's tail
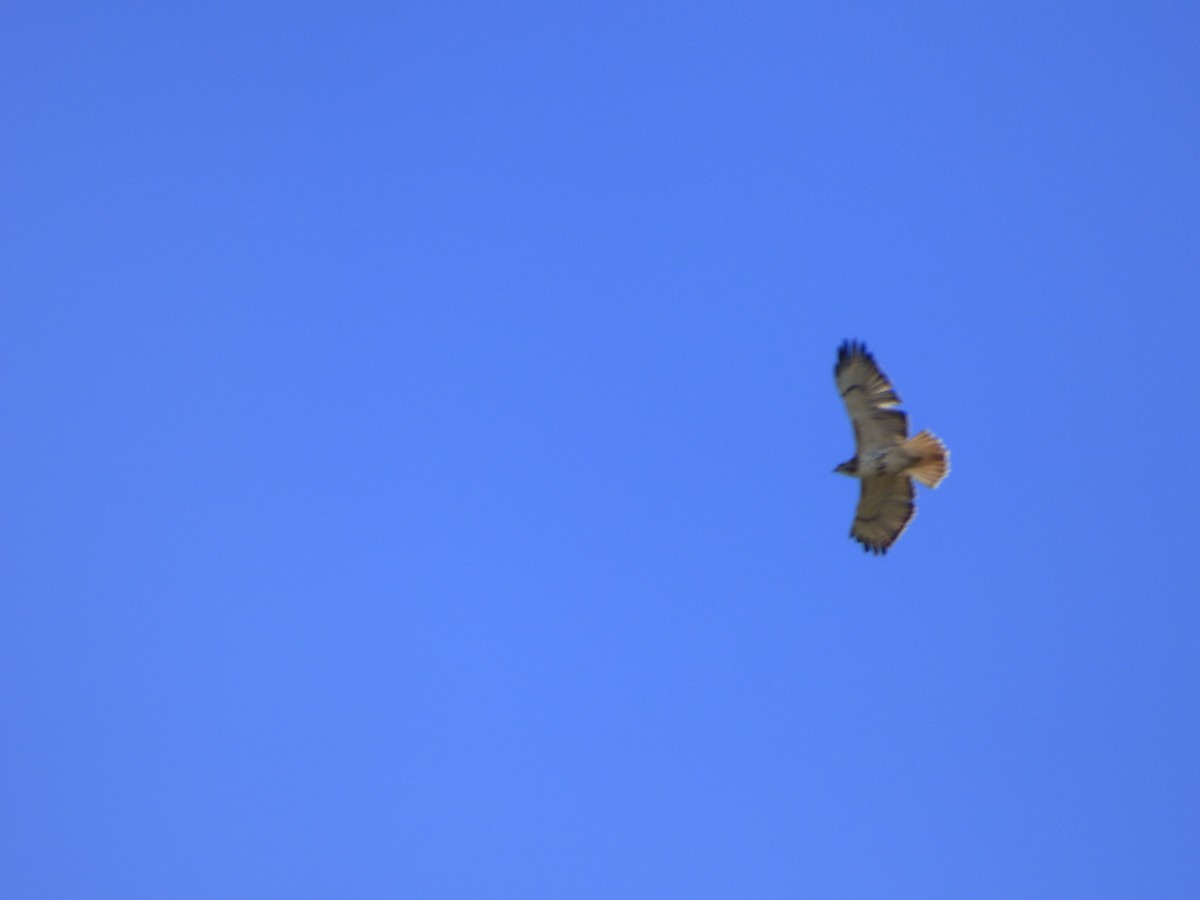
931 459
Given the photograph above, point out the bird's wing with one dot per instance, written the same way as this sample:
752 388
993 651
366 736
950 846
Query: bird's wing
869 399
884 511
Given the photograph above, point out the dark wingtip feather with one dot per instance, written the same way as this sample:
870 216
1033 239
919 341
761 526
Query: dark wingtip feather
849 349
873 549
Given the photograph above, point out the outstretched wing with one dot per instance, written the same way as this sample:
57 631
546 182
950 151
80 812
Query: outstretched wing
884 511
869 398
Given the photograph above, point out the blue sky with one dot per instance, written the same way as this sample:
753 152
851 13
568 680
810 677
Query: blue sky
418 433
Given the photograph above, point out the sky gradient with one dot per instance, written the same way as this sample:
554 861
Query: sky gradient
418 434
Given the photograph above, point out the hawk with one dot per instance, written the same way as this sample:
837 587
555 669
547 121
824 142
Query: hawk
886 459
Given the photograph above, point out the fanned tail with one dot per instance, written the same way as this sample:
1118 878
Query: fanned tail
931 459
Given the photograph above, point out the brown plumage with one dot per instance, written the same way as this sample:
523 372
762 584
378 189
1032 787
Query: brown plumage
886 460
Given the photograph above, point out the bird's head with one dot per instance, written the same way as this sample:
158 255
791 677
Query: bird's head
850 467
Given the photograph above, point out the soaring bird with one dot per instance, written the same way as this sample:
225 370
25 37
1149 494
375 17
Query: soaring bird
886 459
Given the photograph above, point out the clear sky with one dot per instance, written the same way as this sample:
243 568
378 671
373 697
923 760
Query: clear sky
418 431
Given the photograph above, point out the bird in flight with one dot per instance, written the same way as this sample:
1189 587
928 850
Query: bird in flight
886 459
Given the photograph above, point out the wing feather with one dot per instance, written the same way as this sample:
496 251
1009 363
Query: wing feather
885 508
869 398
